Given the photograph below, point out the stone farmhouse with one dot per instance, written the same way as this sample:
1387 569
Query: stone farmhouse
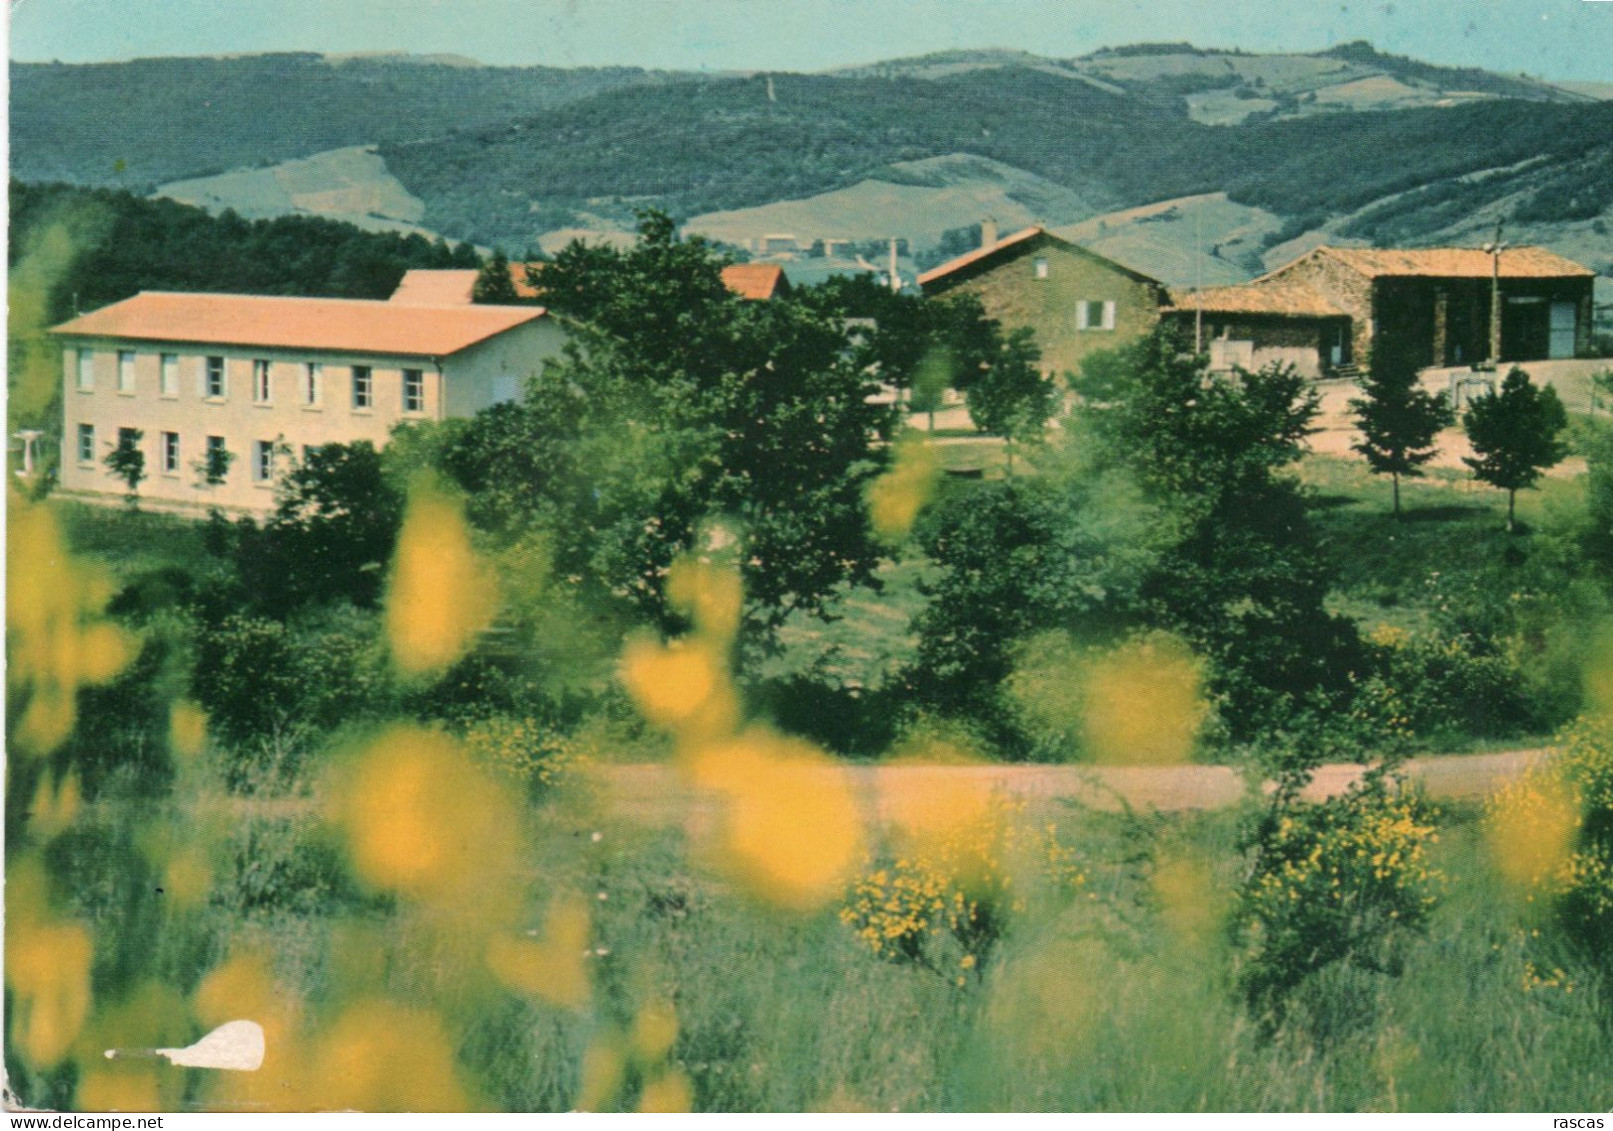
1076 300
265 378
1338 310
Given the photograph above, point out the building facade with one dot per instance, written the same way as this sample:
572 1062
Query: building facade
1076 301
187 376
1252 327
1419 307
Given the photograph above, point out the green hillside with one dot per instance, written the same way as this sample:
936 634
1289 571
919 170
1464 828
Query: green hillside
140 123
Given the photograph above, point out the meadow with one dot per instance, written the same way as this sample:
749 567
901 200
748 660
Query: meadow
473 922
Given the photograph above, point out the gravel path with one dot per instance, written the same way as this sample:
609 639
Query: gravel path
655 794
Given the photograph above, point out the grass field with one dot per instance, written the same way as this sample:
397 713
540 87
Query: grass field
1115 998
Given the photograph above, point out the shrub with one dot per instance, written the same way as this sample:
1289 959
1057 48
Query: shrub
945 904
538 756
1338 881
1554 831
1440 687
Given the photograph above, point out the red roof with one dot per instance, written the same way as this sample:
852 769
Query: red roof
1019 242
1292 300
755 281
426 287
979 253
1455 262
342 325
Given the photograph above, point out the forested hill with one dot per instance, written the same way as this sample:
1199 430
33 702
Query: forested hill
1348 144
696 148
140 123
129 244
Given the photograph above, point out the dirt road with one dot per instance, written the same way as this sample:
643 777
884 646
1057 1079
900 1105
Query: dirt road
655 794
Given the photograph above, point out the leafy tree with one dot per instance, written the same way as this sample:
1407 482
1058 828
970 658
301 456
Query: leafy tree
1058 550
128 463
1515 435
679 406
213 467
1244 578
493 282
922 347
1399 421
333 530
1011 397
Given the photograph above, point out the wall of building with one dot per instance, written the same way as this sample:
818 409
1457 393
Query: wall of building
1012 293
1348 290
465 382
498 368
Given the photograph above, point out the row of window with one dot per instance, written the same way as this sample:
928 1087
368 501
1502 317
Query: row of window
213 465
215 380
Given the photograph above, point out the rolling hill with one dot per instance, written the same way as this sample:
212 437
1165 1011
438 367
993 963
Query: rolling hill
1194 164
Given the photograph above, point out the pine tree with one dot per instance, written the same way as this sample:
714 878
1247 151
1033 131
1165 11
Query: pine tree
494 284
1399 421
1514 434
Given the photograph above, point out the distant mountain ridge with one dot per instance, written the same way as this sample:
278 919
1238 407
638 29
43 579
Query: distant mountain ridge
1349 144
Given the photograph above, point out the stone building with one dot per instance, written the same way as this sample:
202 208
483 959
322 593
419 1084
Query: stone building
1408 307
1075 300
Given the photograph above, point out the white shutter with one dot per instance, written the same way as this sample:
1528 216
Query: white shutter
1081 315
1108 316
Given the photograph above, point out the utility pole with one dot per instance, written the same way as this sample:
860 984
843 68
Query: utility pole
1198 288
896 280
1495 248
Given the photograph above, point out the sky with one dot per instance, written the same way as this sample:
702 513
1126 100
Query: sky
1554 39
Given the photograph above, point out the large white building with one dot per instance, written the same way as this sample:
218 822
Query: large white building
264 378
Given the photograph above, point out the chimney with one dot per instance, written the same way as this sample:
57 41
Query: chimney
988 232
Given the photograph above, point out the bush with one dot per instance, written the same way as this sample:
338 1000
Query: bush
1443 688
1339 881
270 687
537 756
1554 830
945 905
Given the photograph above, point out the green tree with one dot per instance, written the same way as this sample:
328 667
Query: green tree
679 415
1516 435
333 530
1010 396
127 462
1399 421
1243 579
494 283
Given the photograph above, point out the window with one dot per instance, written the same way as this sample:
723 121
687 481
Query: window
86 443
170 453
129 437
414 390
1041 266
313 376
125 371
213 383
170 374
218 459
86 369
260 381
362 387
263 461
1094 316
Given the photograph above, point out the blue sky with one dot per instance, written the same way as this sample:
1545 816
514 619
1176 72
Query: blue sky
1559 39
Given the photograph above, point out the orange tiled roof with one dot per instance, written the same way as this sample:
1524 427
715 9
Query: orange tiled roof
755 281
343 325
978 254
425 287
1456 262
524 289
1292 300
